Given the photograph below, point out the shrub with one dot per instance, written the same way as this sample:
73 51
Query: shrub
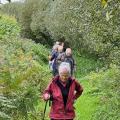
107 87
86 25
13 9
90 26
23 72
23 75
8 26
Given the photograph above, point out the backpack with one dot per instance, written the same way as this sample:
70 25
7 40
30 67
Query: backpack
60 58
70 60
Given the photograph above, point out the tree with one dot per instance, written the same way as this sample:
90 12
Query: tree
9 1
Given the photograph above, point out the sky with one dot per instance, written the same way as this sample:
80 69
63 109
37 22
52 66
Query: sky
5 1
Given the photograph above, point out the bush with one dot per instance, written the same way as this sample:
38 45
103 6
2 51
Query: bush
29 8
39 29
90 26
86 25
107 87
8 26
13 9
114 56
23 72
23 75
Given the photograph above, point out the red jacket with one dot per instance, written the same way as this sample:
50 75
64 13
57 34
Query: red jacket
58 111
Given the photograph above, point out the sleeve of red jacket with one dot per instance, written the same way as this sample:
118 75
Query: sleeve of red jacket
79 89
48 90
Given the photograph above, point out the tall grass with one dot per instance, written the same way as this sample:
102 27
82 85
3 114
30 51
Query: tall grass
87 104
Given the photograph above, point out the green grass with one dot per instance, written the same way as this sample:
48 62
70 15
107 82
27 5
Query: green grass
41 107
86 64
86 105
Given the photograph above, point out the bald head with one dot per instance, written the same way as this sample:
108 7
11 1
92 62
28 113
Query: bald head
68 51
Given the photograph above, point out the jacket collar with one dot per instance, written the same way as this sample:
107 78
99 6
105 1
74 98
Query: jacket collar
57 78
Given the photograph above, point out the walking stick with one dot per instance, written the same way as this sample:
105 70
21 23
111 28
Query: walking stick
45 110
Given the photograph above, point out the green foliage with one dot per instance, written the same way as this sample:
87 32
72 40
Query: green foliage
8 26
100 99
86 25
87 104
29 7
32 21
13 8
114 56
107 82
5 105
85 64
23 72
38 25
90 26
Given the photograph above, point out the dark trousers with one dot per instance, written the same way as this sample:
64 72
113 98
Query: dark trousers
55 72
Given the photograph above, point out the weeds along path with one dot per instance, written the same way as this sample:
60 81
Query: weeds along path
86 105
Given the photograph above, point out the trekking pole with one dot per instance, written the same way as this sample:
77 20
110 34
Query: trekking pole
45 109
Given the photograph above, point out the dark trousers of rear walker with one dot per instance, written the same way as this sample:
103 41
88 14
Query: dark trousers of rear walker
55 72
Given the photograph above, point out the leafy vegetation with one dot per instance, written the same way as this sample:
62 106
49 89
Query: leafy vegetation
23 73
107 83
92 29
86 64
12 9
90 26
8 26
